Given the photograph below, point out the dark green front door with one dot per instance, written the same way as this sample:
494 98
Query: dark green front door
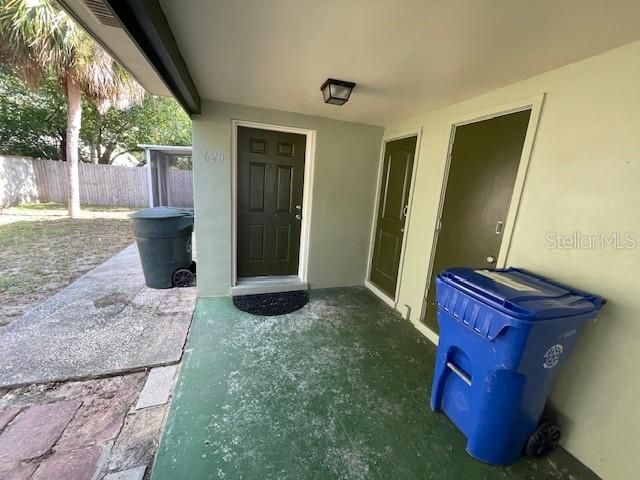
391 215
270 186
484 163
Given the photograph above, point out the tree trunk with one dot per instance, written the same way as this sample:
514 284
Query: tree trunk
97 140
105 158
63 147
74 119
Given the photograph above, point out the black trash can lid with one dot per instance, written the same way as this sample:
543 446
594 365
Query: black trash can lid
161 212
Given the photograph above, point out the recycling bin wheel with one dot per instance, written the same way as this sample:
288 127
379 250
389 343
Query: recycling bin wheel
183 277
543 440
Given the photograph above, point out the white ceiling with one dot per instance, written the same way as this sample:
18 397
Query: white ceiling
407 56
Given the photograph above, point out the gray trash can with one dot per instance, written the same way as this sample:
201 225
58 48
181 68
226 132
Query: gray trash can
163 236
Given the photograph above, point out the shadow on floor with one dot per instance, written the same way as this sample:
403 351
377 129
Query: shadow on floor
337 390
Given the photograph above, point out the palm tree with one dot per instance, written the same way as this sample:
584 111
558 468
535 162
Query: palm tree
38 39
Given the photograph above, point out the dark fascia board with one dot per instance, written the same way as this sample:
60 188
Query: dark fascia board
147 26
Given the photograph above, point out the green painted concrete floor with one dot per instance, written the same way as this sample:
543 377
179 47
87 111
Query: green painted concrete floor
337 390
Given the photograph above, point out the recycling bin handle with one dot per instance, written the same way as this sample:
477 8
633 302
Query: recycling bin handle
463 376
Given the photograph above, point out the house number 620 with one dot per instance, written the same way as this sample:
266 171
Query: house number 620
216 157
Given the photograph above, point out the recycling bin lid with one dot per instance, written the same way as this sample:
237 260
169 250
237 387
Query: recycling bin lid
522 294
161 212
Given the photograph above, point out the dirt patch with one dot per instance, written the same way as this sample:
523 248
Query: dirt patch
40 257
119 299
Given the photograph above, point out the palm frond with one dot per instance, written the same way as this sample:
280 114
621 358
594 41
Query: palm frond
105 81
38 39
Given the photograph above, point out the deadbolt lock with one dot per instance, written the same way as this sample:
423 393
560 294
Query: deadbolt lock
491 259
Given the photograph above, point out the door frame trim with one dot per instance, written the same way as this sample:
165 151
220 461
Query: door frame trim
535 105
392 302
307 192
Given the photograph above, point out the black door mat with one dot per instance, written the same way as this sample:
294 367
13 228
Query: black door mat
271 304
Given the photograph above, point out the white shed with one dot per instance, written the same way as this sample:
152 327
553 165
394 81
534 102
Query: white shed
169 175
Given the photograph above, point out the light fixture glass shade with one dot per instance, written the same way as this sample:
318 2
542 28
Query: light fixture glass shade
336 92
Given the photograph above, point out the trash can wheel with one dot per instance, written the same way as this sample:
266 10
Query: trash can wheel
182 277
543 440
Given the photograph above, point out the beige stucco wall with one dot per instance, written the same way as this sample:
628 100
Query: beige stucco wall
584 176
342 208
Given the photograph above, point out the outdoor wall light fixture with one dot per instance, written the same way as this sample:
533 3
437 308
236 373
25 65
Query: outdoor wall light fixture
336 92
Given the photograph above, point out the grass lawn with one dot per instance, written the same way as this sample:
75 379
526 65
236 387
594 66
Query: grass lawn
43 250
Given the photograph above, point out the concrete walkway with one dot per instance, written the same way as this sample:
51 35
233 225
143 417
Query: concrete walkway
106 322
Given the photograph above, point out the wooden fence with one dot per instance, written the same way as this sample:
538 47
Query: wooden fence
25 180
180 188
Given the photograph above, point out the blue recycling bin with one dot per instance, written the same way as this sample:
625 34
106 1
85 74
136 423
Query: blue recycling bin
504 334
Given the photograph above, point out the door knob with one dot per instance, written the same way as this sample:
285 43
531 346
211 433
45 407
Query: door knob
298 216
491 259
